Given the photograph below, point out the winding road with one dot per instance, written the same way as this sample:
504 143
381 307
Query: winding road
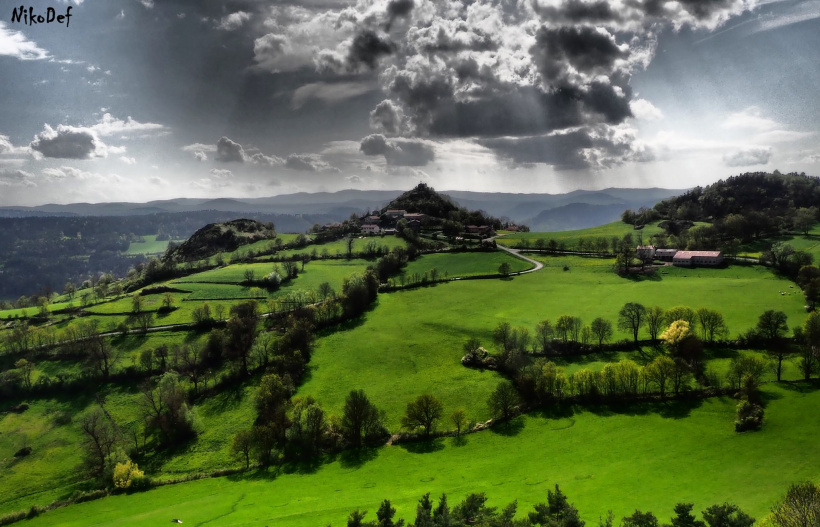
517 253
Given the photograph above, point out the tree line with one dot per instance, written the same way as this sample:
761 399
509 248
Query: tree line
559 512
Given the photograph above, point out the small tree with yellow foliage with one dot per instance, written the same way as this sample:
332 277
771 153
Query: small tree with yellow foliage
126 474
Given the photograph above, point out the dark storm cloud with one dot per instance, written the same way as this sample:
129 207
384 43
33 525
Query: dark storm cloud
68 142
598 147
560 52
700 9
507 110
574 11
398 152
367 48
228 151
397 8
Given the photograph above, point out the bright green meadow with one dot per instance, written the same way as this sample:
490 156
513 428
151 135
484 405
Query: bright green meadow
645 457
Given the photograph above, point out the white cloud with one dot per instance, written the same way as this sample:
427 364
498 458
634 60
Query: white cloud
109 125
309 163
750 118
200 156
793 14
748 157
645 110
66 173
149 4
218 173
330 93
233 21
5 145
15 44
264 160
16 178
781 136
128 160
199 147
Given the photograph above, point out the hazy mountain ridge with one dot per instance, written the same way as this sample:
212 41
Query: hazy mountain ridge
528 209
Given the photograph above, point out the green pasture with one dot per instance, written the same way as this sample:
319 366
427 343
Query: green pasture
149 247
570 238
46 427
340 246
411 342
34 310
52 471
464 264
800 242
645 457
314 273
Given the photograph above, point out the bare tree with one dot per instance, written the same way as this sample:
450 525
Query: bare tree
631 317
655 319
98 441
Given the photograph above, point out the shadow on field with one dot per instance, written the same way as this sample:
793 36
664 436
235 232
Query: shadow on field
511 428
767 396
669 409
347 325
460 441
305 466
720 353
357 457
424 447
809 386
642 277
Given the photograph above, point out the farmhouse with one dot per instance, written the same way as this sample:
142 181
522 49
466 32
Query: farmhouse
371 228
646 252
395 213
665 255
692 258
415 216
482 230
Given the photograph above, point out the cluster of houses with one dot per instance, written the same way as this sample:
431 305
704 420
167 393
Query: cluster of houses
386 223
681 258
379 225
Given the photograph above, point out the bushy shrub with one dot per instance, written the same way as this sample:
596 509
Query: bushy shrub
749 416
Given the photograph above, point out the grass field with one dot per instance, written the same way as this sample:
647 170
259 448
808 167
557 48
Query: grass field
340 246
645 457
571 238
464 264
149 247
31 311
410 343
801 242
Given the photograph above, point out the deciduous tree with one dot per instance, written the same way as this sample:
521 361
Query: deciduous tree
631 318
423 412
503 401
601 330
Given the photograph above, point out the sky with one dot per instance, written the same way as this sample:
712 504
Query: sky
136 100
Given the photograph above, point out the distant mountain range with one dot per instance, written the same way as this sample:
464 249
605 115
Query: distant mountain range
541 212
